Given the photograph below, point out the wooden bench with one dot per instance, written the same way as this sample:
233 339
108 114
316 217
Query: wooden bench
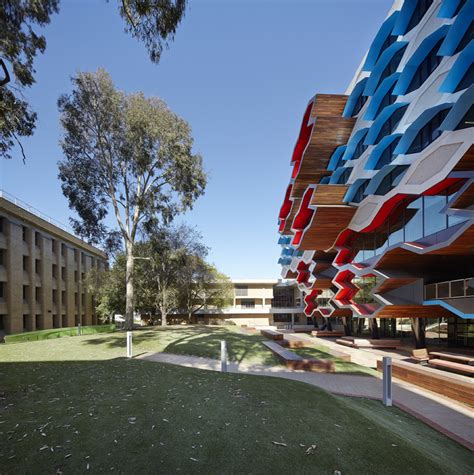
458 358
294 343
461 368
271 334
294 361
328 333
454 386
421 355
368 343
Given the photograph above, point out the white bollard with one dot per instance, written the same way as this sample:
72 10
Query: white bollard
79 332
223 356
387 380
129 345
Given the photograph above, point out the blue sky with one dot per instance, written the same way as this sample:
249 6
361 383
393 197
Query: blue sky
240 72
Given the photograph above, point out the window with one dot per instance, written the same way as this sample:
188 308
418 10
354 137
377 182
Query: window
467 120
387 100
359 196
64 320
83 300
247 303
25 263
56 322
3 319
38 294
23 233
25 322
55 271
283 297
76 255
388 41
427 66
55 296
360 148
429 133
420 10
83 259
2 290
460 5
37 239
392 65
38 324
241 290
2 257
63 272
63 250
76 299
63 297
391 123
344 176
25 292
37 266
467 80
76 274
390 180
2 224
282 317
361 100
387 155
466 39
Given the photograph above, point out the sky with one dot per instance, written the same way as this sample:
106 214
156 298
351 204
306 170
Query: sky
241 72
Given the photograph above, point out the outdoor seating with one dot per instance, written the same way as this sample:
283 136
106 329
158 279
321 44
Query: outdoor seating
420 355
457 358
294 361
271 334
328 333
461 368
368 343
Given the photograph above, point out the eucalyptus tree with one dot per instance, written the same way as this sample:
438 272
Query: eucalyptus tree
125 154
150 21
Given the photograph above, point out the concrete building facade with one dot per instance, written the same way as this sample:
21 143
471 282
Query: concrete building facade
42 270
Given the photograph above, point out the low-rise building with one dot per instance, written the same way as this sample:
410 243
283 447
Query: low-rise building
42 271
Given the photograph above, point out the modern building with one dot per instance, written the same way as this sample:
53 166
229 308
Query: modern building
379 209
42 268
261 303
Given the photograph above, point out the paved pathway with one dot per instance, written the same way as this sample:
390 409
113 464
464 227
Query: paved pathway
453 419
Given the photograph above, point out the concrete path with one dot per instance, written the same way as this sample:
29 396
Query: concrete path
449 417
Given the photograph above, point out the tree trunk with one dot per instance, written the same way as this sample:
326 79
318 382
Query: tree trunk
360 326
164 310
129 304
329 324
418 327
374 329
347 322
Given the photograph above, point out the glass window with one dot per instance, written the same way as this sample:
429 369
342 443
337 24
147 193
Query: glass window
420 10
460 5
2 257
246 303
467 120
428 133
360 148
391 180
427 66
414 221
241 290
457 288
391 123
434 220
466 39
392 65
387 155
345 176
467 80
361 100
387 100
283 297
443 290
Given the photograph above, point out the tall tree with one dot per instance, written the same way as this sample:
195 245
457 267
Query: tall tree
126 153
202 286
153 22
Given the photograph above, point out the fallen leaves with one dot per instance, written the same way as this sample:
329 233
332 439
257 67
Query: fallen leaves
280 444
311 449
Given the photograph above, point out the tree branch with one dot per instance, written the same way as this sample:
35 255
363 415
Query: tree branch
6 79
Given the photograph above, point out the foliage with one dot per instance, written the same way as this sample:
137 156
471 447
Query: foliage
57 333
19 44
127 153
151 22
108 288
154 23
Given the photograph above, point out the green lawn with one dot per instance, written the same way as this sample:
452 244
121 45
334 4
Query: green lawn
74 404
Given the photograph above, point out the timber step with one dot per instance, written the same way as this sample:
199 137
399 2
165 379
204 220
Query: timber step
294 361
328 333
461 368
271 334
368 343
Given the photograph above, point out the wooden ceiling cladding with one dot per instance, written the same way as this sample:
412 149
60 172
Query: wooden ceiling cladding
328 195
327 223
414 311
466 199
330 131
466 164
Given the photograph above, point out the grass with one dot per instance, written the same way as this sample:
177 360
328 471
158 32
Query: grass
57 333
136 416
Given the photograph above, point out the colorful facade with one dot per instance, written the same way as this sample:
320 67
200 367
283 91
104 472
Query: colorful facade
379 210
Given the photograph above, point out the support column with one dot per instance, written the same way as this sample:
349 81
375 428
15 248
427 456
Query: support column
418 327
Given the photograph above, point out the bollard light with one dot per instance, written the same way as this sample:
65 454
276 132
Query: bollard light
79 329
223 356
387 380
129 345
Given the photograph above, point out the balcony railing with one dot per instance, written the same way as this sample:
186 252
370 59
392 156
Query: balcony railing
450 289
